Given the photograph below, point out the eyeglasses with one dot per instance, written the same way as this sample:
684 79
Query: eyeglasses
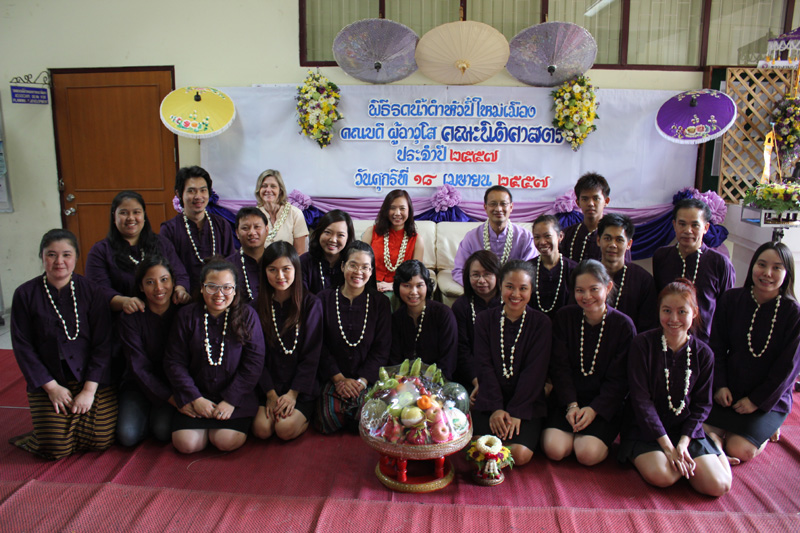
488 276
213 288
499 204
353 267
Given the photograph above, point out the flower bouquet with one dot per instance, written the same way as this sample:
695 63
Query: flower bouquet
777 197
489 456
317 101
412 413
575 104
787 129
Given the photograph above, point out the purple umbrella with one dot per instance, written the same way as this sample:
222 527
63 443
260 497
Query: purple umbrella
548 54
376 50
694 117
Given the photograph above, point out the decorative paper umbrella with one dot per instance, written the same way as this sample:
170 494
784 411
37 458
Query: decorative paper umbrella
376 50
548 54
197 112
694 117
462 53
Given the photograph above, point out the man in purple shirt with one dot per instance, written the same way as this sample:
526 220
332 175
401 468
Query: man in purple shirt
498 235
251 230
196 233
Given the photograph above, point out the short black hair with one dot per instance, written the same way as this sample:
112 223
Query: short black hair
692 203
590 182
615 220
497 188
190 172
250 211
409 269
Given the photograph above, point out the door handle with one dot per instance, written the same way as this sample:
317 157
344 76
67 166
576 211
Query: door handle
70 197
70 211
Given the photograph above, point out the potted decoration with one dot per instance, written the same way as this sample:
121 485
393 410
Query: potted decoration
779 204
413 413
489 456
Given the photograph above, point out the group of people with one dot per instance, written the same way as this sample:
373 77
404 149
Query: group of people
562 341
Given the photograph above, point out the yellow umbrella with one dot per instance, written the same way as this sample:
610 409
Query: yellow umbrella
197 112
462 53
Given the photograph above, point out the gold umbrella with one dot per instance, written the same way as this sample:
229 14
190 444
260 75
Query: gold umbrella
197 112
462 53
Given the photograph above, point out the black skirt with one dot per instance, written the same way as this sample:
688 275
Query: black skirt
529 430
600 428
180 421
756 427
630 449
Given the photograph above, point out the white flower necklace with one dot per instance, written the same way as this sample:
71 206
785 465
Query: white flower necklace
278 333
191 240
341 329
583 248
508 373
597 348
419 328
74 306
558 287
387 261
472 307
278 223
672 408
208 343
753 321
321 275
136 261
244 272
696 265
506 246
621 285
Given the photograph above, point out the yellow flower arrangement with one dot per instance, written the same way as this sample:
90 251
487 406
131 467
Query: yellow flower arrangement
777 197
317 101
575 105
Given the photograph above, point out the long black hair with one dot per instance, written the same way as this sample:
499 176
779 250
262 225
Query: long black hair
361 246
217 263
489 261
146 264
787 289
382 222
294 311
331 217
148 241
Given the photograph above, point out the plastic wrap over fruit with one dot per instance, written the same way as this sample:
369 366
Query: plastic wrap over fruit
412 404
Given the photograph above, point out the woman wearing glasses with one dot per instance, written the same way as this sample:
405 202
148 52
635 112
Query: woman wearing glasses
213 359
356 340
291 319
481 292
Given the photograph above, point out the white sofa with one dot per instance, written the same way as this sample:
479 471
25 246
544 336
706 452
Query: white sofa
441 245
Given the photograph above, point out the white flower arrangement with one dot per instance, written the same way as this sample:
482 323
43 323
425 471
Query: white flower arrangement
317 101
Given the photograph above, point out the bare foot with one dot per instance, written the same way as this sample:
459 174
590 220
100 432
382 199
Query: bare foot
776 436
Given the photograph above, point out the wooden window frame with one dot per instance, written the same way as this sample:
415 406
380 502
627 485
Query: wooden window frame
788 10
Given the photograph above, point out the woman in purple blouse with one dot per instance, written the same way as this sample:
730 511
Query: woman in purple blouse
588 370
61 336
422 327
670 374
291 319
213 360
481 292
322 264
756 343
512 351
112 262
146 402
356 340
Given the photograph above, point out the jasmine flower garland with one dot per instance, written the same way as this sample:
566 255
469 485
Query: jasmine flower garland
317 100
575 104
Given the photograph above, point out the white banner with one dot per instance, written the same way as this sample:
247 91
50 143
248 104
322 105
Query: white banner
421 137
